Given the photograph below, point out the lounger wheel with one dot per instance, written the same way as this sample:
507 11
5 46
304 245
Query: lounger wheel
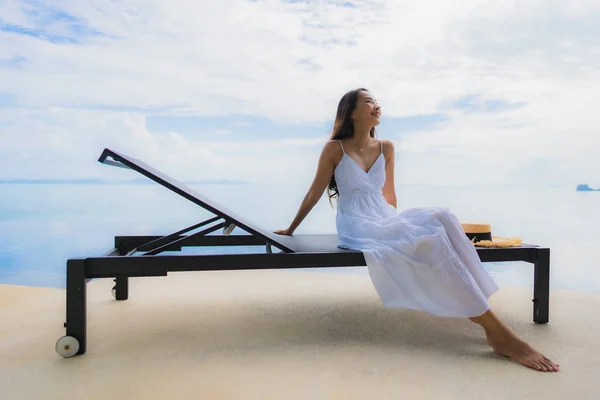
114 291
67 346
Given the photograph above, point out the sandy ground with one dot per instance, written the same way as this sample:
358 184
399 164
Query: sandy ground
284 335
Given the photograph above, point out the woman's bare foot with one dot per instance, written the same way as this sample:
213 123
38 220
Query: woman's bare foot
507 344
512 347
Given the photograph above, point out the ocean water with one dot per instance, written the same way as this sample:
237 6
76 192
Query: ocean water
42 225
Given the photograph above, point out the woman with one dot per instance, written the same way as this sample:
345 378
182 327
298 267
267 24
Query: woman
419 258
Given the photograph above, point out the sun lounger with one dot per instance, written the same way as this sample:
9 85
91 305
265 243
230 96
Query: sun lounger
138 256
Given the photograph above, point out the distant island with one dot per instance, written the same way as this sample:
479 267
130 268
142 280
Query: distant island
139 181
586 188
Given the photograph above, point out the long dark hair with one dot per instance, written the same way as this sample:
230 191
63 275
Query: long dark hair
343 127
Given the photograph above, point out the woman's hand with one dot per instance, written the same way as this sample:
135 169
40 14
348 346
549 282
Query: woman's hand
286 231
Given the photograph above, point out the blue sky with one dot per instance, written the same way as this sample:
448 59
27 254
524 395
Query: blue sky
477 92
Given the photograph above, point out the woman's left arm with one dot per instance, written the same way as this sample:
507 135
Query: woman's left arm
389 191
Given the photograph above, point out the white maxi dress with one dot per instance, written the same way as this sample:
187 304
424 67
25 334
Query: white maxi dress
419 258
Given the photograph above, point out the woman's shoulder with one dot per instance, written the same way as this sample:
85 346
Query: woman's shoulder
388 145
331 143
332 149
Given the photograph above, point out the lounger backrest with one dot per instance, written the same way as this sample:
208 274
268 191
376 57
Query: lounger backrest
282 242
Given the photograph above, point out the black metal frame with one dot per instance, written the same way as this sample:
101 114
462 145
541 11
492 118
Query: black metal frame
125 261
121 263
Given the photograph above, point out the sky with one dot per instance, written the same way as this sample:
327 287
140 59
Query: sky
472 92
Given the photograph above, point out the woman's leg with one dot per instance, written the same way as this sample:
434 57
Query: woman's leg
507 343
499 336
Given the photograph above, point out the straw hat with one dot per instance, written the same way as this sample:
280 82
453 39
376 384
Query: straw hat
481 236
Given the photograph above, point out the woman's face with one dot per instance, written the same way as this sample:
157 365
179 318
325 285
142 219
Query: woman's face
367 110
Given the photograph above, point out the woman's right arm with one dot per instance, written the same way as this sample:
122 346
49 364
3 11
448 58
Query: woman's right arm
322 178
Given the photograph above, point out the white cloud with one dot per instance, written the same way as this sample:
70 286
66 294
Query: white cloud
69 142
291 62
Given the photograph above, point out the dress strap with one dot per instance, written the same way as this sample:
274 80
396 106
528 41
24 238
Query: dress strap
381 141
342 146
